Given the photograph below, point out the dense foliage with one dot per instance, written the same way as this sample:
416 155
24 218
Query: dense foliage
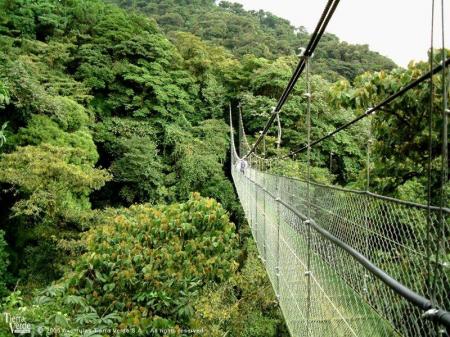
97 90
141 268
99 109
400 149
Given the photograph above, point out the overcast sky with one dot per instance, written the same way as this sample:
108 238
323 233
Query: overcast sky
399 29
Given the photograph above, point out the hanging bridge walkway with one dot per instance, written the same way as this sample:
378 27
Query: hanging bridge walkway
346 262
336 260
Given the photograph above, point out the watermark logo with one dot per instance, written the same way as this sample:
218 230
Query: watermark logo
17 324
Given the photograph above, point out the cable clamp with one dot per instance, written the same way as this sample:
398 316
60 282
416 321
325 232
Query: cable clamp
431 313
274 111
307 95
301 52
447 111
277 199
308 273
369 111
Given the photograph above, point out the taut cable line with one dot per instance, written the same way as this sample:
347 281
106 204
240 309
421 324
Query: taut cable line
379 106
327 14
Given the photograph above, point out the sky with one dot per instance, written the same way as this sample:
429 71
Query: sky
399 29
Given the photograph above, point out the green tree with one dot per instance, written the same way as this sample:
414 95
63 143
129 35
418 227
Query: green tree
141 169
53 185
229 308
55 181
400 131
198 160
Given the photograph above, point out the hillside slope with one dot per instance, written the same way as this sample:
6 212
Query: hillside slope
257 32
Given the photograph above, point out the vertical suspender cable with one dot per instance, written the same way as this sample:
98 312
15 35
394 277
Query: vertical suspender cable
445 113
430 238
367 204
277 268
264 236
308 196
241 147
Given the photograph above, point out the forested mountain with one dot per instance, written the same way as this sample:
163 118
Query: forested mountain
259 33
117 210
99 109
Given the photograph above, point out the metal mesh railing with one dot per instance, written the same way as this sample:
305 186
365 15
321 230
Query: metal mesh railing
322 290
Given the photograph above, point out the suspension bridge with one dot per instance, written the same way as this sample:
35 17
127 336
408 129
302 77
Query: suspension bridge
346 262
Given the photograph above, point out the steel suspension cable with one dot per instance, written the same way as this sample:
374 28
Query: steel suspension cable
325 18
379 106
313 42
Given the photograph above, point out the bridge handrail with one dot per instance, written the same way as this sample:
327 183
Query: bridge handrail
374 195
440 315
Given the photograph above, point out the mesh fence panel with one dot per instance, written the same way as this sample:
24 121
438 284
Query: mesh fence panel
322 290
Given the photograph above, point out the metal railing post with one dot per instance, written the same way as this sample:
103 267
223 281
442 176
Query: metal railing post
308 198
277 268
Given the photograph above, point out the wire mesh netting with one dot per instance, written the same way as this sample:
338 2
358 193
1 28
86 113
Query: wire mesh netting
322 289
